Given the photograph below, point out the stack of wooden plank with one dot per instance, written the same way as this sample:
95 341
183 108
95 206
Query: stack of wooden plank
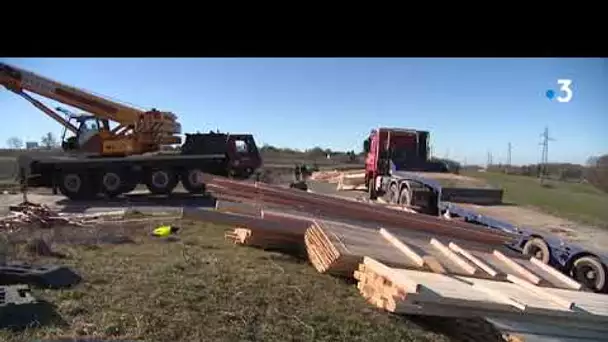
424 293
351 181
289 241
254 226
334 176
338 249
326 176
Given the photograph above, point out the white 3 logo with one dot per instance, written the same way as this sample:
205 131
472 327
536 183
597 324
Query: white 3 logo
566 89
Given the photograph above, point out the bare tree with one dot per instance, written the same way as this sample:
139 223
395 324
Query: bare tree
597 172
48 141
14 143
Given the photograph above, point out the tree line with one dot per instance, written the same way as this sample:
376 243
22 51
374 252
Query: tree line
313 153
594 172
48 141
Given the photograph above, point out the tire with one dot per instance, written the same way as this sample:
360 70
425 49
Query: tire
393 194
538 248
112 183
404 197
75 185
161 181
191 183
590 272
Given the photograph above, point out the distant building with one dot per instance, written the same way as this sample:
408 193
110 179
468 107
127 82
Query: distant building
30 145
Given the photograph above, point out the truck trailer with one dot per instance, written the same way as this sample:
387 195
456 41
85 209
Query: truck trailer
399 169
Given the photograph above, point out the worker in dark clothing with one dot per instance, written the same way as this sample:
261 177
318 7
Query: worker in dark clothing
298 173
304 171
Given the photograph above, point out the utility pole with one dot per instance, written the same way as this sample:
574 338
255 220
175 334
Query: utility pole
544 159
509 155
508 166
489 162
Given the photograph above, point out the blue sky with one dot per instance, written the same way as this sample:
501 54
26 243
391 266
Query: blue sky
471 106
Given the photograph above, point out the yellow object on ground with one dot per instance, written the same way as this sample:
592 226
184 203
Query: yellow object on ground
164 231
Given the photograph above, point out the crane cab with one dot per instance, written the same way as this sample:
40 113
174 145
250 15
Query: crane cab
89 127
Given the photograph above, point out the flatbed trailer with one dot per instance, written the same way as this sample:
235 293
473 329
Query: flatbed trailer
399 168
425 194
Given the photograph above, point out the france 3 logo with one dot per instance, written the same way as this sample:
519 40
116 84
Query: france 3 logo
564 94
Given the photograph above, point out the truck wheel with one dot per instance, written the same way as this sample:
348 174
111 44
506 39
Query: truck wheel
161 181
393 194
404 197
112 183
371 188
590 272
74 185
191 181
538 248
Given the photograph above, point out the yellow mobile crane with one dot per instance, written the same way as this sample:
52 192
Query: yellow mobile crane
113 161
137 131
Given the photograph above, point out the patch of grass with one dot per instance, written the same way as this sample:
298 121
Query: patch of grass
201 288
575 201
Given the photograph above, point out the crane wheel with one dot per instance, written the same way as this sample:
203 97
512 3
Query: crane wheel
112 183
161 181
538 248
75 185
590 272
192 182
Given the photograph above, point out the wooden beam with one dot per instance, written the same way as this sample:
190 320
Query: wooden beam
434 264
380 269
533 278
468 268
402 247
540 291
573 284
487 268
500 296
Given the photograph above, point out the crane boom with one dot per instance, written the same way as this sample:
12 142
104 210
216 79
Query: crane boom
143 132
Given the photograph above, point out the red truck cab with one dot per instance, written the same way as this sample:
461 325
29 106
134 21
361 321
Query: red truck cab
406 149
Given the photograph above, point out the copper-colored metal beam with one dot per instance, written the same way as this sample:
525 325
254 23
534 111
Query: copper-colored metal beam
318 204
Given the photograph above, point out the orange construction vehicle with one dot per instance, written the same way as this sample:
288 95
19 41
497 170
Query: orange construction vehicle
116 147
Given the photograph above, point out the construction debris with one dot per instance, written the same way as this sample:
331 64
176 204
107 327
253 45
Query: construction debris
41 216
44 276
